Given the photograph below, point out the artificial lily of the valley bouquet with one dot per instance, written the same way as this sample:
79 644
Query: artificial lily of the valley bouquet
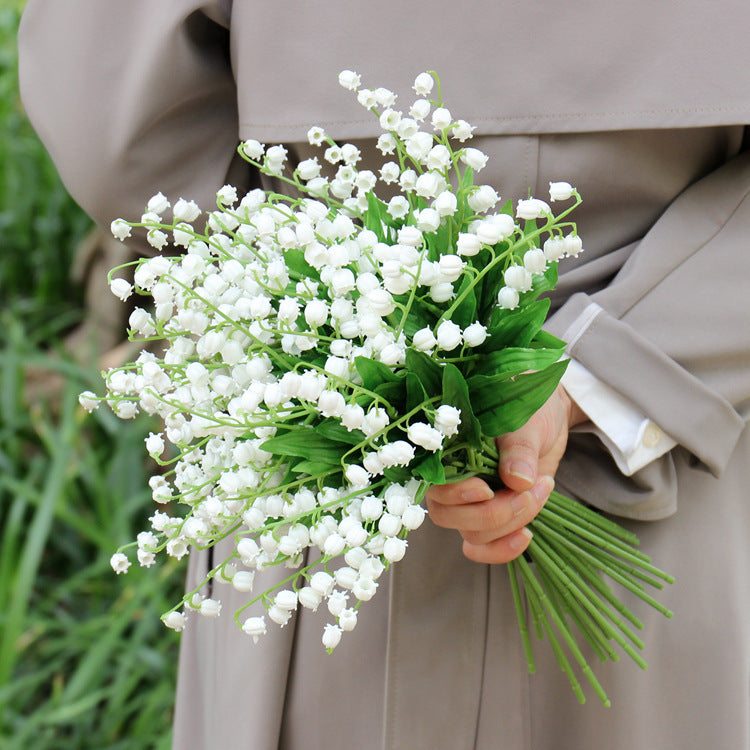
329 355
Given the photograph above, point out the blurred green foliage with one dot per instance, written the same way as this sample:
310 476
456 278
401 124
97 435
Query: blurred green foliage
85 662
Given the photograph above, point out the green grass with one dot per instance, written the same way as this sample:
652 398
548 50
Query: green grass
83 655
84 660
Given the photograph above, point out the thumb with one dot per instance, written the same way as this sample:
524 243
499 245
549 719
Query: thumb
519 457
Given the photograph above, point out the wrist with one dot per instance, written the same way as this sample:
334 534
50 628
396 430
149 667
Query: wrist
576 415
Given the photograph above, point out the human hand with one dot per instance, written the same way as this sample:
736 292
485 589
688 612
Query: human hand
493 524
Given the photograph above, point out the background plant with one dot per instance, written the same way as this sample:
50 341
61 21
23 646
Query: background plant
80 667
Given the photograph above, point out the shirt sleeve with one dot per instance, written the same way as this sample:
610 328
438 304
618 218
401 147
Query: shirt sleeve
631 437
667 336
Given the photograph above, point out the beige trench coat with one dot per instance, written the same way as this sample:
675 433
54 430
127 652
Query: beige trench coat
642 107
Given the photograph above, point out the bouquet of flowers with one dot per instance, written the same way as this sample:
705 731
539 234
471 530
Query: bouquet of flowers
329 355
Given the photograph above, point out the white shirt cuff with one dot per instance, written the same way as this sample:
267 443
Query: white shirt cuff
632 438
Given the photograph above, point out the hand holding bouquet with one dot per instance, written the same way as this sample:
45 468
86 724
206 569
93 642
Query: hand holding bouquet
330 355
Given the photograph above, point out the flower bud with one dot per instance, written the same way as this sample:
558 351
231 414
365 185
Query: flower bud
413 516
175 621
243 580
357 476
316 313
286 599
441 118
331 636
560 191
554 249
447 418
255 626
439 157
348 619
446 203
534 261
331 404
573 245
389 524
121 288
448 335
507 298
474 158
475 334
345 577
531 208
428 220
337 602
442 291
309 598
210 607
424 435
394 549
409 236
371 508
364 589
518 278
423 84
451 267
158 204
468 244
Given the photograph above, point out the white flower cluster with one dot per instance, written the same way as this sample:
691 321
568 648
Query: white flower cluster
265 318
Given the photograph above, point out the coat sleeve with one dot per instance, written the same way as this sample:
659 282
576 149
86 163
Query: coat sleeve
131 97
671 335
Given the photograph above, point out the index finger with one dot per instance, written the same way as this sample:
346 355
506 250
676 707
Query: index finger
471 490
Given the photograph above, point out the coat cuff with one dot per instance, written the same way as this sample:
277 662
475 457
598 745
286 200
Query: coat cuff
631 437
634 367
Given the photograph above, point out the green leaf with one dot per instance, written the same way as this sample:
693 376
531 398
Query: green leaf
415 392
306 442
392 393
503 405
430 468
374 373
545 340
374 216
544 282
516 360
515 327
456 393
466 312
332 429
295 261
314 468
491 282
438 243
420 316
429 372
467 180
398 474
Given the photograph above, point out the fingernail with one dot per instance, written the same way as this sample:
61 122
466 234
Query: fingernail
477 494
542 488
522 471
518 542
